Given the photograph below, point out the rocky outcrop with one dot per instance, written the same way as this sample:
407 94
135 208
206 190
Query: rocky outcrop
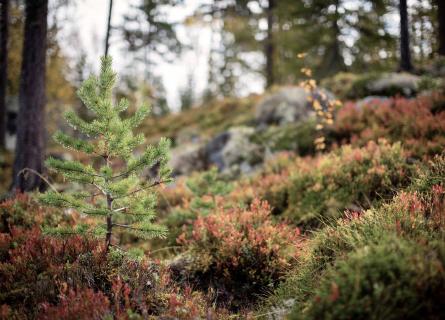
233 151
239 150
288 105
187 158
394 83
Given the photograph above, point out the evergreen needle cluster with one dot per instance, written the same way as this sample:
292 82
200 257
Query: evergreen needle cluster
118 186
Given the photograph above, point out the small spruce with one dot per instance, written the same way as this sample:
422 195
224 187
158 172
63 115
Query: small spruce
118 186
210 184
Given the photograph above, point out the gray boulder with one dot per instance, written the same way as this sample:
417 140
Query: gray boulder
187 158
393 83
288 105
233 151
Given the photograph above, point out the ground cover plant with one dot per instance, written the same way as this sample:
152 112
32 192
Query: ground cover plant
391 253
417 123
239 253
73 277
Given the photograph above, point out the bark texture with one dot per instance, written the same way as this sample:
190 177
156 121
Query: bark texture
30 122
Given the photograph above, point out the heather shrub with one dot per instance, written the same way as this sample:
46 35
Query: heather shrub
33 267
24 211
419 124
73 278
375 260
271 187
239 253
349 178
396 279
82 304
206 187
269 184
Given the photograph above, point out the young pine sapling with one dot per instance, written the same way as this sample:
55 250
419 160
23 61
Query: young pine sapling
118 188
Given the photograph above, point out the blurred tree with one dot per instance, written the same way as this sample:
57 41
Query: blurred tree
269 50
418 30
148 31
336 35
187 95
233 27
242 22
441 26
107 37
405 53
59 89
4 22
139 91
15 44
375 48
31 130
157 93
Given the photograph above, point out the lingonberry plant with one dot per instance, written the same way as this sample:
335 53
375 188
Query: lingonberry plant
119 188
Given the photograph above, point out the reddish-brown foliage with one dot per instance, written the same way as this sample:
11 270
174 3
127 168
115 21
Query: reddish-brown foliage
240 252
419 124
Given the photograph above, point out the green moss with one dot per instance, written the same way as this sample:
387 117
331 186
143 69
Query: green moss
340 84
297 137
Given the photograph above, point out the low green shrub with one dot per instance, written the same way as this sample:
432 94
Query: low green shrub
350 178
341 84
386 262
395 279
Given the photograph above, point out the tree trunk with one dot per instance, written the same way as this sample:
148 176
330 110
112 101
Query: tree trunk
405 55
441 23
107 38
31 130
333 61
270 46
109 224
4 17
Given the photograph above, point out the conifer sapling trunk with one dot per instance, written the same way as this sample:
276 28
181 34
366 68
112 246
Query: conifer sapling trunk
114 186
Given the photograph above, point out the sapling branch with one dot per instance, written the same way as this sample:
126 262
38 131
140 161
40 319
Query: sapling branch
154 184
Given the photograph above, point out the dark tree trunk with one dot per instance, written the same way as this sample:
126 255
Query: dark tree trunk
270 46
107 38
441 23
405 54
333 61
4 15
30 129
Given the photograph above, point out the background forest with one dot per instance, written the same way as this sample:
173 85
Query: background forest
222 159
